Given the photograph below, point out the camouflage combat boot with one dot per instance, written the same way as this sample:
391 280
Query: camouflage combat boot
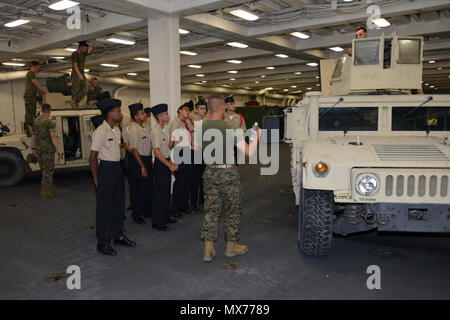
234 249
209 252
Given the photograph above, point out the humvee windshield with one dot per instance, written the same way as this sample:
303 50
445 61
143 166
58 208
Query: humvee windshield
420 119
348 119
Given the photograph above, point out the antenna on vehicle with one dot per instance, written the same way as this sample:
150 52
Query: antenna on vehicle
428 100
326 111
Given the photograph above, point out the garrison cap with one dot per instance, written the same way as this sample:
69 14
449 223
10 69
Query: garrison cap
159 108
97 120
103 95
136 107
229 99
83 44
107 105
201 102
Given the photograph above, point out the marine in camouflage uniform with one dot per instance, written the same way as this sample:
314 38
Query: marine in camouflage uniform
79 87
93 92
45 151
30 97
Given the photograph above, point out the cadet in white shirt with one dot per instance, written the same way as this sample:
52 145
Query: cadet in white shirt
108 179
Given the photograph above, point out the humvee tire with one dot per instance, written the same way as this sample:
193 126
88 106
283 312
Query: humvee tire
315 222
12 168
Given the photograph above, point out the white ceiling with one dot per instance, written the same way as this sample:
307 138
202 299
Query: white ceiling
211 27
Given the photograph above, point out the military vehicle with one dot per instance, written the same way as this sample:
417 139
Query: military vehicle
366 153
73 131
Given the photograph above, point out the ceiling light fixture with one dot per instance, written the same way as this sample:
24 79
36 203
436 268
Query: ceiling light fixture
132 74
244 15
337 49
142 59
63 5
14 64
300 35
109 65
312 64
280 55
121 40
194 66
234 61
237 45
270 68
233 71
381 22
183 31
70 49
297 73
16 23
188 53
200 75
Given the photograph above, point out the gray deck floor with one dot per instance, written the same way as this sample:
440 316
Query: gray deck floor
41 236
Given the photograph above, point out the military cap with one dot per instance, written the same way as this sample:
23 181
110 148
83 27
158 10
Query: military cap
136 107
148 110
189 104
103 95
97 120
159 108
229 99
107 105
201 102
83 44
183 106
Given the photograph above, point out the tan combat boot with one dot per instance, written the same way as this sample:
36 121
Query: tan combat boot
234 249
44 192
209 252
50 192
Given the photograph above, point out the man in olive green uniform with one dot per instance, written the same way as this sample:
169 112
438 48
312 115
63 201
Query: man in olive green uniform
221 180
93 92
79 82
44 145
231 117
32 86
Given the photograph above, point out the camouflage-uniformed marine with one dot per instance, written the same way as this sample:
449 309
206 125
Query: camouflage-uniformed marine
222 189
45 150
79 87
30 97
92 95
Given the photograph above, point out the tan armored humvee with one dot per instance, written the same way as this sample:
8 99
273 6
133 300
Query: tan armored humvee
370 155
73 131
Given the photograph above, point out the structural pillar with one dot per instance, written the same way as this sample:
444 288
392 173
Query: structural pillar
164 55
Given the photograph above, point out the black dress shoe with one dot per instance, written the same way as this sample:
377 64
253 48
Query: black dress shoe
124 241
106 249
177 215
171 220
139 220
160 227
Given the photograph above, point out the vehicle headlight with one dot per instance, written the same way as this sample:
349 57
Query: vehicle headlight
367 184
321 169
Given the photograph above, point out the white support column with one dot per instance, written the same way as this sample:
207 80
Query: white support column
164 54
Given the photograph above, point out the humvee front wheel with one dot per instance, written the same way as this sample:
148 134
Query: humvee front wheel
12 169
315 222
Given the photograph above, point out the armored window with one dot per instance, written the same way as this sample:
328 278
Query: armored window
421 119
367 52
337 73
409 51
348 119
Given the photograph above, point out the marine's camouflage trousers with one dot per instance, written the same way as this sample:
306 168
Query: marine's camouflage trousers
30 111
223 196
79 88
47 165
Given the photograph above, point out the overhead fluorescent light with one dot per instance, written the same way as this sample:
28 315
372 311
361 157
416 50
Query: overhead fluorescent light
237 45
132 74
440 68
270 68
58 58
312 64
183 31
267 89
233 71
109 65
70 49
256 82
337 49
244 15
16 23
294 87
234 61
142 59
263 76
280 55
297 73
300 35
204 81
62 5
199 75
14 64
232 79
86 70
247 88
285 90
308 88
121 40
381 22
194 66
431 61
188 53
317 77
